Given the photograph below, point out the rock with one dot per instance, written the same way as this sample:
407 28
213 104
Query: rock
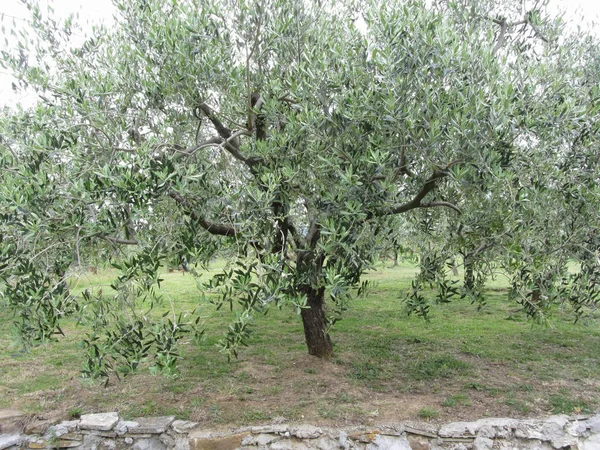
366 437
306 432
8 440
593 424
553 430
151 425
123 426
483 443
167 440
197 441
382 442
576 428
496 427
592 443
265 439
183 426
529 429
100 422
72 437
290 445
40 424
279 429
70 425
418 442
458 430
148 444
65 443
11 421
128 440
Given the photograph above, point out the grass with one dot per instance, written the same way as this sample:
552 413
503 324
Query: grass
387 366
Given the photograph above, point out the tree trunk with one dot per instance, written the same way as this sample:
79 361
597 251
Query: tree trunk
469 274
313 319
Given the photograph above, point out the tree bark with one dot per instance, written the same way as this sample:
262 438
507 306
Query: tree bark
469 274
313 319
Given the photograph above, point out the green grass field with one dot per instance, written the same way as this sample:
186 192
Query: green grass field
464 364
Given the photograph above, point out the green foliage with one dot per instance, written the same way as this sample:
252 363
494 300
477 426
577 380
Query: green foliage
299 139
428 413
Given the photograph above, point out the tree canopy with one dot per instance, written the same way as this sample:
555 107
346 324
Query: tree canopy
298 137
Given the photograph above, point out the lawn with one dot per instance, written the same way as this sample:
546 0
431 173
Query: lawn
465 364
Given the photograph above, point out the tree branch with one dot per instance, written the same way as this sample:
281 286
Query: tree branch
417 199
436 204
218 229
223 131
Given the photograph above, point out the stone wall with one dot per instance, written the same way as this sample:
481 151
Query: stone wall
107 431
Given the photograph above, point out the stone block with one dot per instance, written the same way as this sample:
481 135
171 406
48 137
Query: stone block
593 424
592 443
458 430
183 426
152 443
382 442
151 425
529 429
483 443
306 432
276 429
100 422
197 441
11 421
8 440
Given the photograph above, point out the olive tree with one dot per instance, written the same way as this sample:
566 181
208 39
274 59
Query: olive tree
296 134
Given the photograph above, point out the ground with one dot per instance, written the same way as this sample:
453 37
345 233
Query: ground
463 365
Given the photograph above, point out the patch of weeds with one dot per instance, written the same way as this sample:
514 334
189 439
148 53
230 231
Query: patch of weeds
176 388
256 415
75 412
310 370
444 366
343 397
215 413
197 402
272 390
428 413
563 403
457 399
328 413
365 371
519 405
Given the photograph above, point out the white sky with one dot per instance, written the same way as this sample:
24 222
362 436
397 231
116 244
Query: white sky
95 11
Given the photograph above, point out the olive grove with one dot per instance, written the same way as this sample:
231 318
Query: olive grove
299 137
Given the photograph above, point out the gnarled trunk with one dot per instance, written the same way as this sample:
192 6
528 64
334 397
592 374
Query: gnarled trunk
313 319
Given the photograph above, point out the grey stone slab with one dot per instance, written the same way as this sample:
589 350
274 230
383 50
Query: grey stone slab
100 422
592 443
8 440
10 421
306 432
483 443
382 442
458 430
152 425
183 426
275 429
593 423
530 429
149 444
123 426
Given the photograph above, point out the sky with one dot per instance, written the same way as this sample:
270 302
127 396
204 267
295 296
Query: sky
96 11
